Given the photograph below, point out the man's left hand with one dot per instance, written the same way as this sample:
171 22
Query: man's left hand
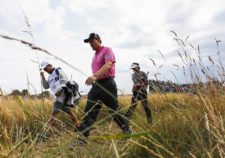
90 80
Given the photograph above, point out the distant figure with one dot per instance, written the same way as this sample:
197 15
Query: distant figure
57 81
140 83
104 89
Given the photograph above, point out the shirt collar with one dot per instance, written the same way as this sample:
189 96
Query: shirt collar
52 70
100 49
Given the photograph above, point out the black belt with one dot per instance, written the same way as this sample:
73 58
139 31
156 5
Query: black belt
105 79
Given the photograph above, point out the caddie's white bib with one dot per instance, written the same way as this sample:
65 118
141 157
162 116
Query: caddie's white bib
54 82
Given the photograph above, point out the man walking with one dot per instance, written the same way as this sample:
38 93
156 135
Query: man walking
57 80
104 89
140 83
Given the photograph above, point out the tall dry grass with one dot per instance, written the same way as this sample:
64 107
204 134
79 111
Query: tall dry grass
184 126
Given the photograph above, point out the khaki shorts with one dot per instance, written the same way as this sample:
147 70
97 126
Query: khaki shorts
58 106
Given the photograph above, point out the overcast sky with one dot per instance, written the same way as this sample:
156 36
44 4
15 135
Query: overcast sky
135 30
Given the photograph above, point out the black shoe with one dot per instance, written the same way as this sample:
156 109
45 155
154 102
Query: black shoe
129 131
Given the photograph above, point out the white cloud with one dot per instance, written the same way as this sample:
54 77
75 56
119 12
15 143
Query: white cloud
134 29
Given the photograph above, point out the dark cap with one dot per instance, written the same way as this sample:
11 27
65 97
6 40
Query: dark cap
91 37
134 65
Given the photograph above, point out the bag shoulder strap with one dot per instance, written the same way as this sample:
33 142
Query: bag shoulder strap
57 71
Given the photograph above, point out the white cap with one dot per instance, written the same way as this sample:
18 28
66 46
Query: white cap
134 65
44 64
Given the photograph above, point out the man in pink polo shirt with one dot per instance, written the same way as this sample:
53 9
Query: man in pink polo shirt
104 89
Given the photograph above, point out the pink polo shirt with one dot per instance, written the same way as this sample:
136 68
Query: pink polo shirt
101 56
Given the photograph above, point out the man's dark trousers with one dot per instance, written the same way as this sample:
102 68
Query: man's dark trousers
106 92
140 96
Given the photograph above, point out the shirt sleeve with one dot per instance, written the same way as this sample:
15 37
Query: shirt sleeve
109 55
45 83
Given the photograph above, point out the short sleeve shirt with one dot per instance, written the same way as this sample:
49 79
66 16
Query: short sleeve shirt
139 77
103 55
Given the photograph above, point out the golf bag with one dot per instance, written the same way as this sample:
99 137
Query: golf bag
71 91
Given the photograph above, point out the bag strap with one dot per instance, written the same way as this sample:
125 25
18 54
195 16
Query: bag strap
57 71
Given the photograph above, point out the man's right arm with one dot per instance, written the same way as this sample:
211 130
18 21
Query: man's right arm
44 81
